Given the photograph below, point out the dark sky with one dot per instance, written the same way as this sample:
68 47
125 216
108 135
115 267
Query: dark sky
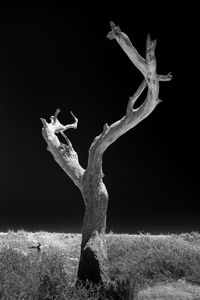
53 55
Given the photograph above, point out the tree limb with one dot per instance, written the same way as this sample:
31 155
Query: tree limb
63 154
133 116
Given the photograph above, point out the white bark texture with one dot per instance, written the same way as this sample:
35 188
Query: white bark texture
93 258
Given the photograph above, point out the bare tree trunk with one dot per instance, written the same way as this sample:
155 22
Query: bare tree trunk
93 258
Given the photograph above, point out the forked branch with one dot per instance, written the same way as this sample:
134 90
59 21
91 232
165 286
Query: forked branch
133 116
64 154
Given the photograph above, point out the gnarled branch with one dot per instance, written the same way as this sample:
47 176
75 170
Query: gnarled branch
63 154
133 116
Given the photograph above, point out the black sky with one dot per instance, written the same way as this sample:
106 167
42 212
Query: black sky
53 55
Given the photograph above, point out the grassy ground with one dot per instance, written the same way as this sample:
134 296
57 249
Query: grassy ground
143 267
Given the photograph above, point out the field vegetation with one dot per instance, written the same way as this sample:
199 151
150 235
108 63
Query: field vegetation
142 267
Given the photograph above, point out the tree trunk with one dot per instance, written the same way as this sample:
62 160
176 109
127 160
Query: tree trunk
93 257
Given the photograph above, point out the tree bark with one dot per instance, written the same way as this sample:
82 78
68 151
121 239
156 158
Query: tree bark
93 258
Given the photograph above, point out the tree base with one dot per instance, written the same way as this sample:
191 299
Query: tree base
93 262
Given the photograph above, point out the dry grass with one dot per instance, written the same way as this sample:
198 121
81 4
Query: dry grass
143 267
180 290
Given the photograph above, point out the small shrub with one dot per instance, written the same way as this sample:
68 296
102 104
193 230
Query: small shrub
121 290
16 275
35 275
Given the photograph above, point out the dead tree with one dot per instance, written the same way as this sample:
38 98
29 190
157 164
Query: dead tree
93 257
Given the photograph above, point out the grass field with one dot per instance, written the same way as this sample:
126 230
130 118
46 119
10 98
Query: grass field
142 267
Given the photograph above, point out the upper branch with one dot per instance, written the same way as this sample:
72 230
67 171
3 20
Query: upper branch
133 116
64 154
